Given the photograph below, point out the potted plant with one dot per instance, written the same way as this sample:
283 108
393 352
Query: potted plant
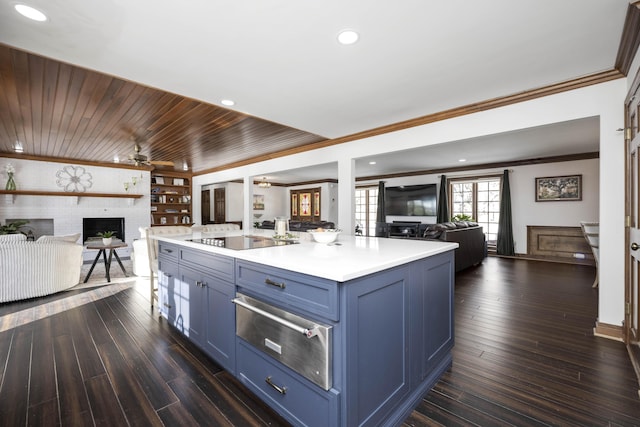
461 217
13 227
107 237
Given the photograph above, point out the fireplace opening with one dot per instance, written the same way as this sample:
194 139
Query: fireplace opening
92 226
36 227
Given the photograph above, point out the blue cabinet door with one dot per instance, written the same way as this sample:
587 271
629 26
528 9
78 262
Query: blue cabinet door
220 336
376 314
211 314
168 290
437 307
192 304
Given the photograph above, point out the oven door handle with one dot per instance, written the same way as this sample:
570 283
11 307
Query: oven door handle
309 333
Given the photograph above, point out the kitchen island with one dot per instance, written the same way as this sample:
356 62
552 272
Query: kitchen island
341 335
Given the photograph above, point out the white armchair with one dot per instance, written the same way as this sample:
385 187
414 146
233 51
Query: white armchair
216 228
140 254
152 252
35 269
145 250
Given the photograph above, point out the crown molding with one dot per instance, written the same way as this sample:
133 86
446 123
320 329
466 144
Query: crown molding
503 101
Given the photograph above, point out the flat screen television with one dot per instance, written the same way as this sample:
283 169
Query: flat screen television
411 200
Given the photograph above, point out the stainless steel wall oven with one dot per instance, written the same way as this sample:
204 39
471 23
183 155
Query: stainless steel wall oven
301 344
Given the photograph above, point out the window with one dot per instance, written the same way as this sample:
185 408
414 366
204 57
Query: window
478 198
367 210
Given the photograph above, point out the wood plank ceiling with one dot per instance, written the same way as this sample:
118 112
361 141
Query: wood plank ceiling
56 110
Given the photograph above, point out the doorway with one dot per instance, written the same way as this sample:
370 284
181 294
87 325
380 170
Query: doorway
205 206
219 206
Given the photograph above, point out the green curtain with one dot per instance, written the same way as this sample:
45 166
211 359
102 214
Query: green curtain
381 218
443 201
505 225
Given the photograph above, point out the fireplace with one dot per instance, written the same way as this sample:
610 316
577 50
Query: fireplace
92 226
37 226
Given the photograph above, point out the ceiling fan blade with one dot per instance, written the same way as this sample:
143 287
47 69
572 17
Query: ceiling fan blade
162 162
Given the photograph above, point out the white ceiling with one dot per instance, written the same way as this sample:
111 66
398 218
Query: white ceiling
559 139
279 59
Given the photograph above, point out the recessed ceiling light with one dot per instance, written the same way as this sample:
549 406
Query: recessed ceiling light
30 12
372 163
348 37
227 102
116 159
18 147
185 166
462 160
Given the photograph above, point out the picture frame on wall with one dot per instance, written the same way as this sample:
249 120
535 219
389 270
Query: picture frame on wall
258 202
567 188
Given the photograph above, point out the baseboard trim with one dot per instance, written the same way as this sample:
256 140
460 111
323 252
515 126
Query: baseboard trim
528 257
611 332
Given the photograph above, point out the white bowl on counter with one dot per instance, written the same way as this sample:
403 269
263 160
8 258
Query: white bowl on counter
326 236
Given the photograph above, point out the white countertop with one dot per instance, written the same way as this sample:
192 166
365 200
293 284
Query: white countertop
354 257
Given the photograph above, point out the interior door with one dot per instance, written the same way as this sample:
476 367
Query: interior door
219 206
205 206
632 296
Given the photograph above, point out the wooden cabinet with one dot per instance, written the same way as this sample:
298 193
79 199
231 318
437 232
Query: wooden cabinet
170 198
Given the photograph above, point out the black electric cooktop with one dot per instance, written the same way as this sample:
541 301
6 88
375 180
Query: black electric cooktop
242 242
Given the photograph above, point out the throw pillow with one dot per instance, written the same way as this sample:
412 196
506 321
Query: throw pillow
70 238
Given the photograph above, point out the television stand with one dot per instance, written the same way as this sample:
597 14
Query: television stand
405 229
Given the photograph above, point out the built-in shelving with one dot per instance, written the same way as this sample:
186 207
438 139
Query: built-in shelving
170 199
12 194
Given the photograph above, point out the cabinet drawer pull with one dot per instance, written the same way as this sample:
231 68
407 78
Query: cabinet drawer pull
281 285
169 251
200 284
167 305
281 390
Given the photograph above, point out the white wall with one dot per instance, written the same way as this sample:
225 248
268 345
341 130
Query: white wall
65 211
275 203
234 199
526 211
604 100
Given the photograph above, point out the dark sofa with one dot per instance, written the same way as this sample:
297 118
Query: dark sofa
467 234
299 225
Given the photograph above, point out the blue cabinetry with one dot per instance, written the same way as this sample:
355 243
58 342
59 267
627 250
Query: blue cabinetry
392 338
199 289
168 289
391 334
314 295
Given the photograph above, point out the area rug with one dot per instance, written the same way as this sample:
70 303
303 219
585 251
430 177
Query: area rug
99 278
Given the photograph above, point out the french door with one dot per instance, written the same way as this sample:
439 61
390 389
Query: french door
632 295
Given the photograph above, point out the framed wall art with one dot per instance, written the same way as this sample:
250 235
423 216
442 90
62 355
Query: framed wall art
566 188
258 202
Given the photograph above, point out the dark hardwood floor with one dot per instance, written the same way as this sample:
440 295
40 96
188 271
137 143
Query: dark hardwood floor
525 354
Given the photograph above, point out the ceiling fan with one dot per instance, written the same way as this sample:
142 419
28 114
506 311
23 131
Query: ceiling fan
140 159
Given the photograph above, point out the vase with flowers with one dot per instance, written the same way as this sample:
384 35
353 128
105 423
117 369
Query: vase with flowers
11 184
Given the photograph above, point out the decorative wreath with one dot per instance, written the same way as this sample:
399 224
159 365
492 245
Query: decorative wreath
74 179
